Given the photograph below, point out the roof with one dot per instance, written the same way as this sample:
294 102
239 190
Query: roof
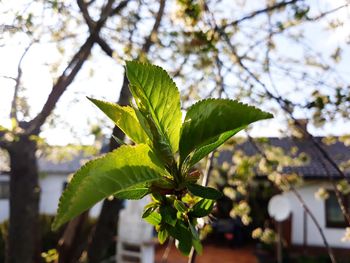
313 168
70 164
65 166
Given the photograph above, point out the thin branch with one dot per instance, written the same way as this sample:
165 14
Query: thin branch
219 78
208 168
119 7
261 11
313 218
8 77
322 15
91 23
177 72
150 40
167 250
13 112
209 165
70 72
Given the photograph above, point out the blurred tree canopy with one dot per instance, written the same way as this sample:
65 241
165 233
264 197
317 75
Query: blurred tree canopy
289 57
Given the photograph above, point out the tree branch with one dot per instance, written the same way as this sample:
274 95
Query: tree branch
91 23
119 7
327 12
150 40
313 218
261 11
209 165
8 77
70 72
13 112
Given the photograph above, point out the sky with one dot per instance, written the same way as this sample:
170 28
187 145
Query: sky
74 118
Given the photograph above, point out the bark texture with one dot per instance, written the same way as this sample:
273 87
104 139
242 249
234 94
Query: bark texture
24 203
72 242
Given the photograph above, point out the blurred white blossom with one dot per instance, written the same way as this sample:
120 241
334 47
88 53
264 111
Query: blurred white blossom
257 233
346 237
321 194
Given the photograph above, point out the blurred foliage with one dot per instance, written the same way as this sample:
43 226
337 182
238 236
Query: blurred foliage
4 160
193 41
49 238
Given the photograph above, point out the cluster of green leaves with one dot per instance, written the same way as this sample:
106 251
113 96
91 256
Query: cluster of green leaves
161 161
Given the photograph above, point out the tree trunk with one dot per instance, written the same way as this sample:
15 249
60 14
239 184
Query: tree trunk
24 203
105 230
72 243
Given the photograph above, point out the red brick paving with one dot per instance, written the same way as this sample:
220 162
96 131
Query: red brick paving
211 253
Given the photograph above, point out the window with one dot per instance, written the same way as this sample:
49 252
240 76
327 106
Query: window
4 190
334 215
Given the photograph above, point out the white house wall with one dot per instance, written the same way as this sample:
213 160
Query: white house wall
51 190
317 207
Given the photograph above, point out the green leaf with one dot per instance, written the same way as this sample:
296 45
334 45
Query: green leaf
125 118
157 196
202 208
156 95
180 206
197 246
133 193
146 213
124 168
168 214
154 218
196 243
183 235
193 231
162 236
209 123
205 192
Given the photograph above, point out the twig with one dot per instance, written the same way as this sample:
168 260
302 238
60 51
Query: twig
69 73
13 112
8 77
209 164
261 11
92 24
313 218
150 40
167 250
327 12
